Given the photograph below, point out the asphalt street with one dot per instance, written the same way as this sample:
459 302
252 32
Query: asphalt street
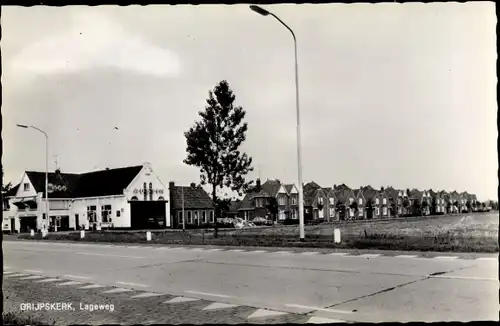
255 285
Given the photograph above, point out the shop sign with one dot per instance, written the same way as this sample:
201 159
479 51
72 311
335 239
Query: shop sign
147 191
52 188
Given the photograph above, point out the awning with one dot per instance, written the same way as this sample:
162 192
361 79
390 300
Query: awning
26 202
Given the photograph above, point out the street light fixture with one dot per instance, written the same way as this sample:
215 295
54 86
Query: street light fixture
263 12
46 168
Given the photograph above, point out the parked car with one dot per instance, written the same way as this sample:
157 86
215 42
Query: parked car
261 221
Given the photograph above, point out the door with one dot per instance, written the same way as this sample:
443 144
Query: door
77 222
64 223
12 225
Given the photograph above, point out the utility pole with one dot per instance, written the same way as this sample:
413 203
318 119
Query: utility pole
183 217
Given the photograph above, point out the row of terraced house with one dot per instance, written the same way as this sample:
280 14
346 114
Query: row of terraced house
340 202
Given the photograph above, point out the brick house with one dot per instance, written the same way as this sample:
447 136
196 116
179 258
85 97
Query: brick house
332 200
198 206
344 199
421 202
455 200
256 201
293 201
375 202
311 191
395 199
359 204
437 205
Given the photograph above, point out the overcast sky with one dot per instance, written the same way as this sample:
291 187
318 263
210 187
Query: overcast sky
390 94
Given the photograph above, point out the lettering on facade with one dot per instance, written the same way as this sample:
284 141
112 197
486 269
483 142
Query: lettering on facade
141 191
52 188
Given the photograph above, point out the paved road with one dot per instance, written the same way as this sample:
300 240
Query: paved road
257 285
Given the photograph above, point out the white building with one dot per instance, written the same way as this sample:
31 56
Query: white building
130 197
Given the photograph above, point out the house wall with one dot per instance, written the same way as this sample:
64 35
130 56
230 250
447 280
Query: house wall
146 177
118 204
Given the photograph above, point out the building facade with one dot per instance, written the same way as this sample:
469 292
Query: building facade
129 197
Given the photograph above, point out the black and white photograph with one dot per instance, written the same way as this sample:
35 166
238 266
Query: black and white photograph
250 163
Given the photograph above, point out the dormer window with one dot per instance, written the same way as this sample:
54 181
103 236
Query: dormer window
26 186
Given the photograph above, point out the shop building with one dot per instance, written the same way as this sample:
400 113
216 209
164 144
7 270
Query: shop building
130 197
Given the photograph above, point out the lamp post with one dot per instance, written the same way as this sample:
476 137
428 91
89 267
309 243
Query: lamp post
183 217
264 12
46 168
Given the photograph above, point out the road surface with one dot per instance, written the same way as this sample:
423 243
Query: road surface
174 284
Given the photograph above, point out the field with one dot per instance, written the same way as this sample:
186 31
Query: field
464 233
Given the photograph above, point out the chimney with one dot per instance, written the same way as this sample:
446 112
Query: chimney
381 188
193 185
334 187
171 185
257 183
58 171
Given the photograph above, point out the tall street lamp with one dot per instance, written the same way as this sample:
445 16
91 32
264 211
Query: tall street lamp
264 12
46 168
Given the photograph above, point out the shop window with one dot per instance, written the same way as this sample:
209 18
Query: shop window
92 214
106 213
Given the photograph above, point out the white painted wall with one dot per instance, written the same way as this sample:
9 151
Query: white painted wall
118 203
20 190
147 175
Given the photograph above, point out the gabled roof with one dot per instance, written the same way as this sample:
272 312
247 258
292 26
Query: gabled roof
392 193
341 187
288 188
92 184
343 195
310 191
106 182
194 198
434 194
271 187
369 193
416 194
68 180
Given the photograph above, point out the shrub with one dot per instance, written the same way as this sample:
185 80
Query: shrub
290 221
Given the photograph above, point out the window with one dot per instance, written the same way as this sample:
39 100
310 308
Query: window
105 213
259 202
351 200
26 186
92 213
281 214
204 216
331 201
384 201
179 217
294 200
145 191
294 213
360 201
117 213
321 213
282 200
384 211
332 212
320 200
189 217
377 213
196 217
151 191
134 198
211 216
377 201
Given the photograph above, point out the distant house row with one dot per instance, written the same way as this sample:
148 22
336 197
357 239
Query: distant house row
340 202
